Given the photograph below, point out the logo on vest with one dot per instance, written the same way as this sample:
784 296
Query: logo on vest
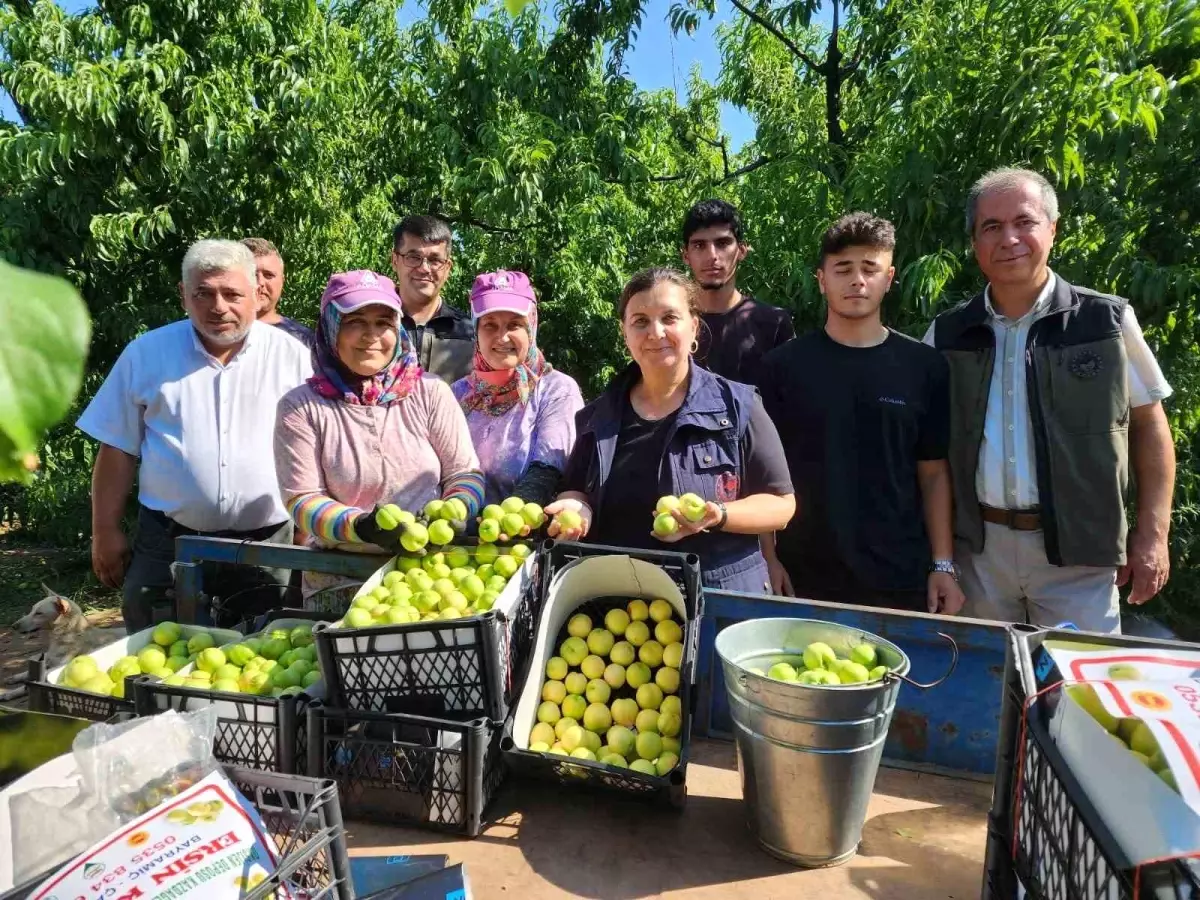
728 485
1085 364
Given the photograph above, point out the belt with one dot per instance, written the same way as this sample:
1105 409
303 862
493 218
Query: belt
174 529
1016 519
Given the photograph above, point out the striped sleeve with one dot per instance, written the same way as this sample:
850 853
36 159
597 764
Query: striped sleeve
320 515
467 487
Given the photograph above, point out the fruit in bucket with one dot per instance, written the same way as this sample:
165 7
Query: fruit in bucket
819 665
626 712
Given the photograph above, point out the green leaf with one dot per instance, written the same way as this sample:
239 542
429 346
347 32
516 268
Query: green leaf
44 333
514 7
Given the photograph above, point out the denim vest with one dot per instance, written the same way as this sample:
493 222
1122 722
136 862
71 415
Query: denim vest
704 456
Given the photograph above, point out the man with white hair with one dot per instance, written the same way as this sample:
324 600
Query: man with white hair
189 409
1055 398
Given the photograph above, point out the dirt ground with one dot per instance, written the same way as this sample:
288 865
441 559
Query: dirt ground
23 570
923 840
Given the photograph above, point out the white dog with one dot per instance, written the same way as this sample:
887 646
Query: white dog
71 634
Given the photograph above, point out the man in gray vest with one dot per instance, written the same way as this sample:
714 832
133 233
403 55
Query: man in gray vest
1055 398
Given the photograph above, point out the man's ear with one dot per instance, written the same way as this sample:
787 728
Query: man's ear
743 251
182 296
821 282
891 277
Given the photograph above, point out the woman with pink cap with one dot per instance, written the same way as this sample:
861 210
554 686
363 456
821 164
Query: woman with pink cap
369 428
520 410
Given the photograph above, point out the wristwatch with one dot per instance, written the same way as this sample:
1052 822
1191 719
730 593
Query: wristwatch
946 567
724 515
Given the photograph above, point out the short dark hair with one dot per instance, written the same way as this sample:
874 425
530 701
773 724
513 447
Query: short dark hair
857 229
261 247
649 278
708 213
429 229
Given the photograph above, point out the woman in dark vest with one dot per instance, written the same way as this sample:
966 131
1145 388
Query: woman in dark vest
667 427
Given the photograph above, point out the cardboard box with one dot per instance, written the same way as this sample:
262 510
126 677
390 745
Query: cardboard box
1147 818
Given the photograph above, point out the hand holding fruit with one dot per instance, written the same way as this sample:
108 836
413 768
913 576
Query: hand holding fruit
380 527
678 517
571 519
513 518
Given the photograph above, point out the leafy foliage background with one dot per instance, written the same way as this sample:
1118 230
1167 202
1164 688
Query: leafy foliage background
318 124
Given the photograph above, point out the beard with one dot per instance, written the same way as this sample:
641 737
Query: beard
715 285
226 339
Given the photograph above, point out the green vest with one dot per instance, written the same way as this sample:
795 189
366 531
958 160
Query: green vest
1078 388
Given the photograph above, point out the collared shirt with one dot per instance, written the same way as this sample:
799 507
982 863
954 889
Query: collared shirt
203 430
445 344
1007 474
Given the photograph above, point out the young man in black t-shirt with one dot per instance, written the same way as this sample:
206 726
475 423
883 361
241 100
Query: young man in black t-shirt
864 416
738 331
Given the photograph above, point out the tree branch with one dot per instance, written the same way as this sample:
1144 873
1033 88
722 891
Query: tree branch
750 167
852 66
783 38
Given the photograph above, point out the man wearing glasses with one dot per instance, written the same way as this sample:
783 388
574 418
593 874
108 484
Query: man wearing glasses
442 335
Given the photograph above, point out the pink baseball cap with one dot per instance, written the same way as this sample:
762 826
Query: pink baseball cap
349 291
501 292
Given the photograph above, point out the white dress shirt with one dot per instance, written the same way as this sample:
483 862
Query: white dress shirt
1007 474
204 431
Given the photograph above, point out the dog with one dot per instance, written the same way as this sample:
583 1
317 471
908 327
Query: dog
71 634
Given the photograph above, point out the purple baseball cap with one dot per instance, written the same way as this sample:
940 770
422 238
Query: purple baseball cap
349 291
502 292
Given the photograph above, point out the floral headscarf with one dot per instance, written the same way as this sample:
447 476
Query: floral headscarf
331 378
496 391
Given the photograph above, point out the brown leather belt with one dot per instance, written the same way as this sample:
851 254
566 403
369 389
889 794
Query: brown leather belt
1016 519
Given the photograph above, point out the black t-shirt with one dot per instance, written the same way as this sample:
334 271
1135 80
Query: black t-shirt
854 422
734 343
626 513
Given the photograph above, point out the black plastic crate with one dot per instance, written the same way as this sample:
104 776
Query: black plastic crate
64 701
684 570
304 817
389 767
254 732
1044 836
472 663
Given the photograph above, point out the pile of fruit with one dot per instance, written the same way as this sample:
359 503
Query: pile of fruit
274 663
510 519
164 656
612 693
441 520
1131 733
449 584
438 523
820 665
692 506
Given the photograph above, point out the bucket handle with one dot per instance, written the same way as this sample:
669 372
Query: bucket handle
949 671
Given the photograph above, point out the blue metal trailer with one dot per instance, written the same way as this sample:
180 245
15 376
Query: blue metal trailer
925 834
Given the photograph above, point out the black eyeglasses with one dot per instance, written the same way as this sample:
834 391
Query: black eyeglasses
416 261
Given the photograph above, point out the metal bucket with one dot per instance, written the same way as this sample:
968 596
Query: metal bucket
807 754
